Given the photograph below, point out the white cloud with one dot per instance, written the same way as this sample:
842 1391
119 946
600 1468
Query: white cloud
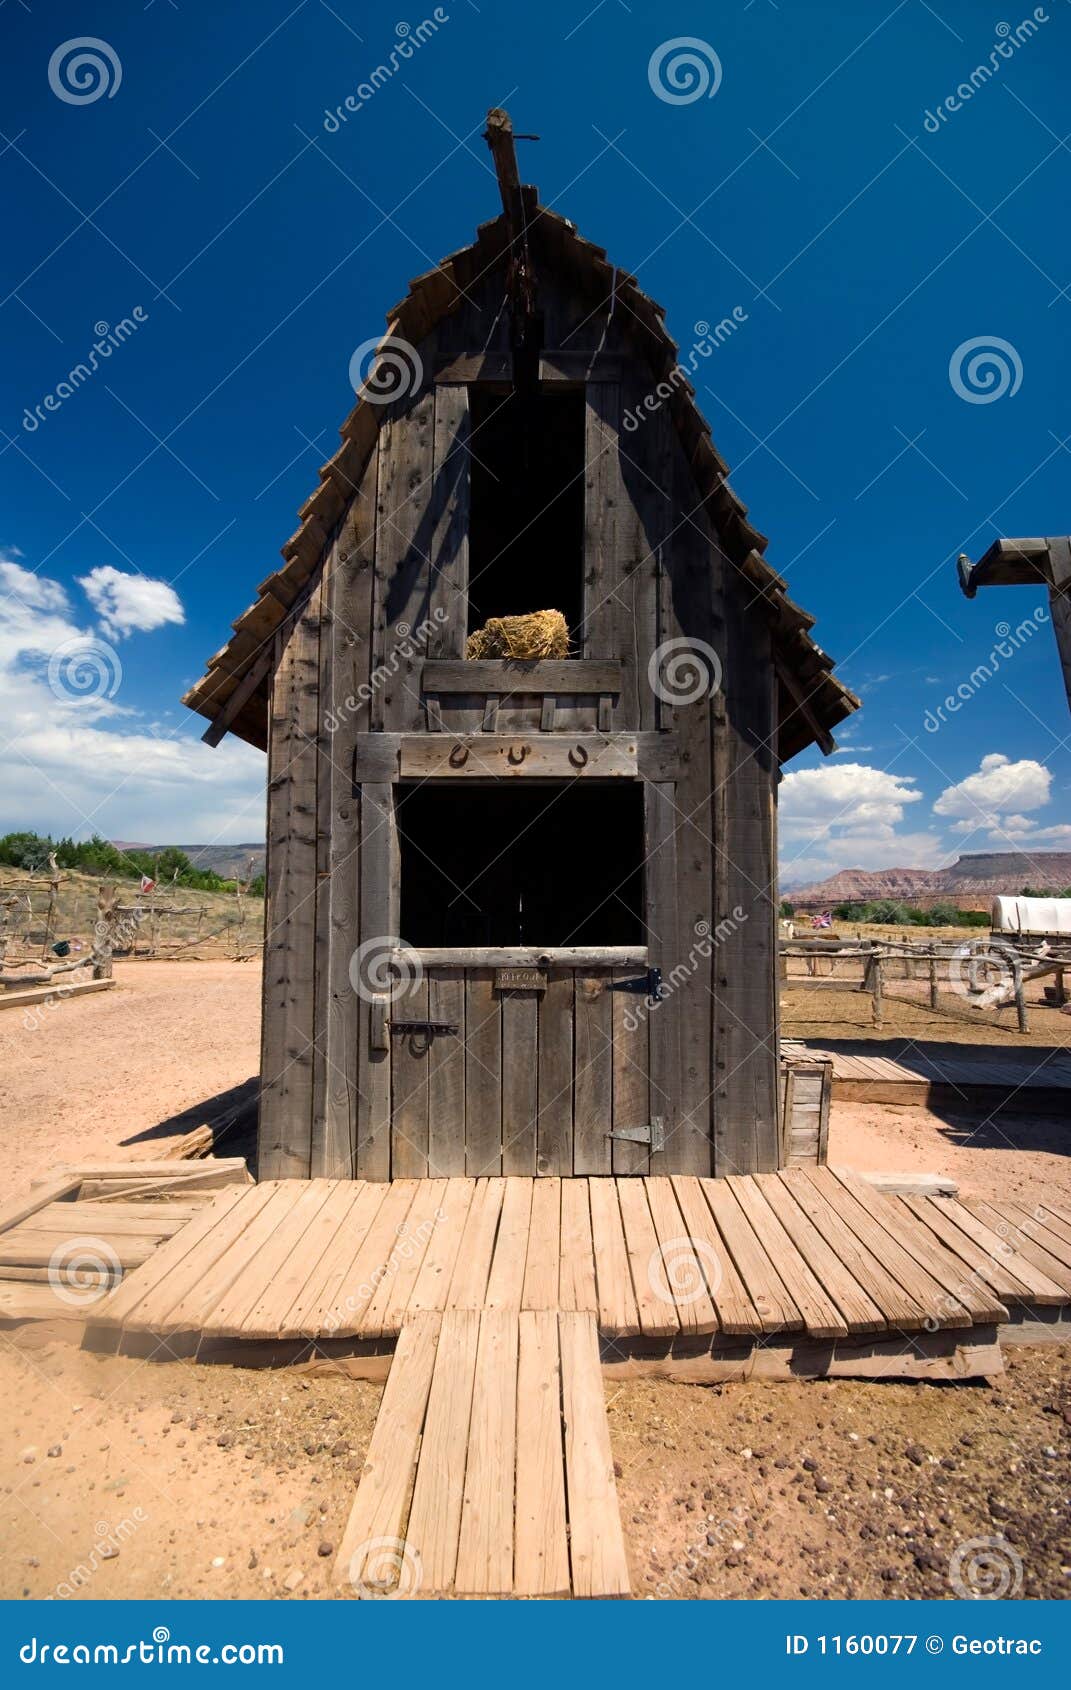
847 815
126 603
83 763
997 786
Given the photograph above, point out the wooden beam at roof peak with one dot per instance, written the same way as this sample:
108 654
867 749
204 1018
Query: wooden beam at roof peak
500 139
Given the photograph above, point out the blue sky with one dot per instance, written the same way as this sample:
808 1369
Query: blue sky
820 184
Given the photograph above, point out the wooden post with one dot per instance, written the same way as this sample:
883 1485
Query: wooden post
1020 996
876 967
933 982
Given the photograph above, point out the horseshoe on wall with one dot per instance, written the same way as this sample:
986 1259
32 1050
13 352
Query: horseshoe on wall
459 756
578 756
517 754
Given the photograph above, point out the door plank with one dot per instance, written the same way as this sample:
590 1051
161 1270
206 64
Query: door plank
520 1098
483 1074
554 1149
594 1061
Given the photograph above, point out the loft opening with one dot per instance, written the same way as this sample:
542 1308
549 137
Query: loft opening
526 518
547 865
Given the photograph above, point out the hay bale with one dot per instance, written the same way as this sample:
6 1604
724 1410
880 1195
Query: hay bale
541 634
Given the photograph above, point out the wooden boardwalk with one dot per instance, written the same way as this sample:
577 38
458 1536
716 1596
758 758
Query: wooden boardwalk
489 1471
902 1071
817 1253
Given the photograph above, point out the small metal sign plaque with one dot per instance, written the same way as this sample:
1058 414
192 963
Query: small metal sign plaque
520 979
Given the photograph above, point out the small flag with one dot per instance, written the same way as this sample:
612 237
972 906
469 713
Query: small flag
147 884
823 920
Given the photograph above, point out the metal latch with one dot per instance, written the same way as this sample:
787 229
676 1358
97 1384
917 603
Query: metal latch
650 984
424 1027
653 1133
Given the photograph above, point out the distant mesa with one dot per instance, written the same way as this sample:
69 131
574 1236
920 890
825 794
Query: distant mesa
229 861
970 882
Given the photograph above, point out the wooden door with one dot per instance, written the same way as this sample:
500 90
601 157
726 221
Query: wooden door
531 1082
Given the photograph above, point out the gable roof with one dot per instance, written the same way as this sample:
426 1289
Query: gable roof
233 693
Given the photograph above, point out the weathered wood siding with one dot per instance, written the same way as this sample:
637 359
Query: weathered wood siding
536 1081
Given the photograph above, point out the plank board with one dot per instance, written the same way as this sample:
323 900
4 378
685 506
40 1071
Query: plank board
540 1289
436 1270
485 1544
468 1286
945 1268
594 1056
382 1500
617 1301
520 1095
772 1301
483 1074
357 1207
654 1296
596 1541
435 1517
511 1246
554 1146
679 1268
737 1315
821 1316
541 1552
576 1282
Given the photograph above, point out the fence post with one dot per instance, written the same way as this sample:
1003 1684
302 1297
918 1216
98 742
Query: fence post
876 965
933 982
1020 996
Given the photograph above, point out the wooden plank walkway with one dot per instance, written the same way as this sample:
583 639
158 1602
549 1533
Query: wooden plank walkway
815 1252
902 1071
489 1471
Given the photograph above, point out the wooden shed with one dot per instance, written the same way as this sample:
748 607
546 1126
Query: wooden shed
521 916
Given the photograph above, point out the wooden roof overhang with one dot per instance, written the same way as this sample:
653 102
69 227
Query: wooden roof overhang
233 693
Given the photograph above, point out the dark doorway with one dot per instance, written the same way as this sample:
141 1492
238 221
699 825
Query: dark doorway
526 527
521 865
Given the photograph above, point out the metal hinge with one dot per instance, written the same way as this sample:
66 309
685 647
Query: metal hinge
653 1133
650 984
424 1027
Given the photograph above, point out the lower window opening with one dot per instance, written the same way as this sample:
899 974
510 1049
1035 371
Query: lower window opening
540 866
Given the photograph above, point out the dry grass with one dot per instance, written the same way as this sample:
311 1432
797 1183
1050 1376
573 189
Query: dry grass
521 639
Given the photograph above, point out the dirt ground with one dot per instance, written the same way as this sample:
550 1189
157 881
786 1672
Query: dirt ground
93 1077
130 1478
